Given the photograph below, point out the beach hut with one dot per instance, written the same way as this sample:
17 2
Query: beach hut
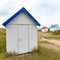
21 32
44 29
54 27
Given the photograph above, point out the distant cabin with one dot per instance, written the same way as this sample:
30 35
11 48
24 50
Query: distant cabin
21 32
44 29
54 27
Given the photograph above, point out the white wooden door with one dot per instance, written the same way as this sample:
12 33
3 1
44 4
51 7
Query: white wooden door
23 38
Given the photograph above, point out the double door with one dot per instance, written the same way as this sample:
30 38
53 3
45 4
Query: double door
22 37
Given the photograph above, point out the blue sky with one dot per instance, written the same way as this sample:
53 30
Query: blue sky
47 12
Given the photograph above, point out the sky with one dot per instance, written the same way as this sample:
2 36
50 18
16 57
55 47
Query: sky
46 12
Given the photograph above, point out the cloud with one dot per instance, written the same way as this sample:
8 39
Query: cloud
48 12
46 7
14 5
7 7
44 11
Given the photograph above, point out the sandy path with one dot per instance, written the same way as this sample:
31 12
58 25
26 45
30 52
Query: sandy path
55 46
56 42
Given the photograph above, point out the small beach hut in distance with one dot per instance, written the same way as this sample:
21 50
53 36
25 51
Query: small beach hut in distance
21 32
44 29
54 27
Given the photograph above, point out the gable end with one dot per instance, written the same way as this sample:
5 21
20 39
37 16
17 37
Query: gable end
19 12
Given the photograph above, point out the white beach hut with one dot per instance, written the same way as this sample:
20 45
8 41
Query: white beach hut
54 27
21 32
44 29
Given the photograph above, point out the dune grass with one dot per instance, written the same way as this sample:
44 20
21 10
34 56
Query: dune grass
56 37
40 54
2 40
49 35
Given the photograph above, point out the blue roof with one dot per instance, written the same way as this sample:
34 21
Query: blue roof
19 12
53 26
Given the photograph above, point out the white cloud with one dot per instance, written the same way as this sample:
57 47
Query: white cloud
7 7
47 12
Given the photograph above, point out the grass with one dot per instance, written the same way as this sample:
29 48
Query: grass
41 53
2 34
56 37
49 35
57 32
2 40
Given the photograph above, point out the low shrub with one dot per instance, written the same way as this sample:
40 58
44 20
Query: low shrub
57 32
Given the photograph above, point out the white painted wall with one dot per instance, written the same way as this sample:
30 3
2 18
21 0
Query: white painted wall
44 30
14 33
32 37
22 19
53 29
11 38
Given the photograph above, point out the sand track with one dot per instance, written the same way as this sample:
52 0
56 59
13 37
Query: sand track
56 42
